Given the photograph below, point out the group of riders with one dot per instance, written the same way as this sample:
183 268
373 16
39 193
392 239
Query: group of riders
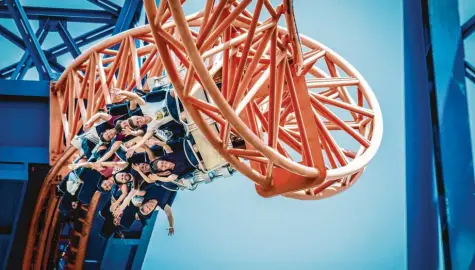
137 150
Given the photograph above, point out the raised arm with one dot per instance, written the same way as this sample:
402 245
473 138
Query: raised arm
145 177
139 144
124 190
164 145
115 146
119 210
94 165
133 97
171 221
170 178
132 105
149 152
94 118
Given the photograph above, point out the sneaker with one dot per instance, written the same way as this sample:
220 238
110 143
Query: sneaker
186 184
76 142
163 135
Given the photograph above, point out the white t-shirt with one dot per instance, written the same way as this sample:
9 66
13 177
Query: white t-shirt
159 113
72 184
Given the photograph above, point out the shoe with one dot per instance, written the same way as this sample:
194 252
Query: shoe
139 92
186 184
76 142
163 135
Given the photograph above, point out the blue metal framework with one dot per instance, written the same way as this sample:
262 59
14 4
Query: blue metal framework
439 160
470 71
467 29
114 19
422 209
20 149
21 99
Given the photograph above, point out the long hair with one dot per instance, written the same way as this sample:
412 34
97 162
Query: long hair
145 217
154 169
114 176
100 188
101 137
131 123
118 127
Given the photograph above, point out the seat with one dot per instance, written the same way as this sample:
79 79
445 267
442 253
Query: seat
90 180
210 158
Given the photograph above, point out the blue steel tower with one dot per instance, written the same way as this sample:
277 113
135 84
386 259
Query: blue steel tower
24 149
439 159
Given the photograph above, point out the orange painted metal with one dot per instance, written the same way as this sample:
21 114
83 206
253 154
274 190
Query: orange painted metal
274 109
51 231
55 128
40 202
47 223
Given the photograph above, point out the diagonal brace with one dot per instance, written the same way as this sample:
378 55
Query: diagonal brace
468 28
12 37
26 60
31 42
68 40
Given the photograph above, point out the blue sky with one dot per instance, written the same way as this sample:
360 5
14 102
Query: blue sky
226 225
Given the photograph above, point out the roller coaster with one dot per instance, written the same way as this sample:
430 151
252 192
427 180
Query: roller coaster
253 97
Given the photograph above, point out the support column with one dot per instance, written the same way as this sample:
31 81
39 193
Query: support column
453 130
422 214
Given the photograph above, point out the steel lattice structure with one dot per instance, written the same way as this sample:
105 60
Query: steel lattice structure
274 89
111 19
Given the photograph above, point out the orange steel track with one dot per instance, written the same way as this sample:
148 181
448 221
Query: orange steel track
46 210
310 121
46 204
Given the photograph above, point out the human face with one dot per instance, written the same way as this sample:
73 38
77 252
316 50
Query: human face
124 124
107 184
163 165
148 207
144 167
109 134
123 177
138 121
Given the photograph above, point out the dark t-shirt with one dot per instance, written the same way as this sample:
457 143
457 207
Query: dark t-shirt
121 137
110 124
182 166
91 178
113 121
178 157
163 196
138 158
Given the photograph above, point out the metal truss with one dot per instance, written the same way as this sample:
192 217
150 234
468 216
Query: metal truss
467 29
112 19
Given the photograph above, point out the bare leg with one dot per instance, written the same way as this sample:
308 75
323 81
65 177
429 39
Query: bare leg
96 165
